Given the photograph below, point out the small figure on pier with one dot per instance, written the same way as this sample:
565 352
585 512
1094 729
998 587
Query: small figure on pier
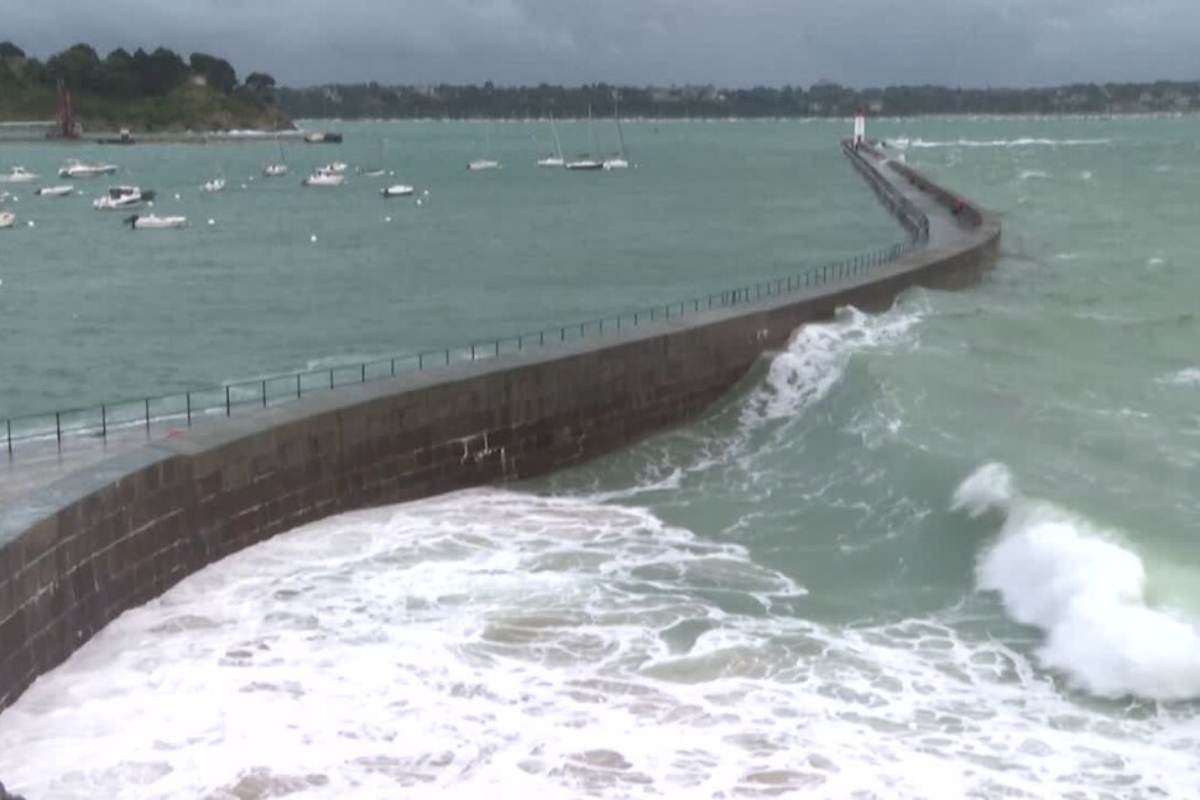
860 129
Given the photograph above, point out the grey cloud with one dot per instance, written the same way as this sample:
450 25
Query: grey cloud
859 42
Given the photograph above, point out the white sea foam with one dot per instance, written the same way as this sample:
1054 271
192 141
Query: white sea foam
817 355
1086 591
1184 377
1030 174
497 644
1021 142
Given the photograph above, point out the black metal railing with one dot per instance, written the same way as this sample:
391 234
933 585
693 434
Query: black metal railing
185 408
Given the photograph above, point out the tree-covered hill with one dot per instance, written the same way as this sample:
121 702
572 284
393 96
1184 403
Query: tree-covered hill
372 100
156 91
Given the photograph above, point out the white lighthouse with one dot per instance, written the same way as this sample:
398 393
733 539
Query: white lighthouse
860 129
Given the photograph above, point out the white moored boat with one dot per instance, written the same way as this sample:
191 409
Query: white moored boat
585 163
324 178
336 168
556 160
399 190
215 185
275 170
7 219
79 169
618 161
122 197
55 191
481 164
139 222
18 175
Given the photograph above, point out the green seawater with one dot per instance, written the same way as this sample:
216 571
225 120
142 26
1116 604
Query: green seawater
945 551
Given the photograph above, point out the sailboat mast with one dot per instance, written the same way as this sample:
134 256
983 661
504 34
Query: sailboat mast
591 133
557 141
617 118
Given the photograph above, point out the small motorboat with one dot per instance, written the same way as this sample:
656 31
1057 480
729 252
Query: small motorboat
123 137
55 191
375 173
122 197
215 185
7 219
18 175
399 190
482 164
80 169
323 177
616 162
275 170
551 161
335 168
141 222
584 163
318 137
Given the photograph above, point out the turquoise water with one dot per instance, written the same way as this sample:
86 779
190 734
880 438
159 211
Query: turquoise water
947 551
92 312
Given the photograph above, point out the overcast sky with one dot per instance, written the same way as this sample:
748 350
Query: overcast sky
726 42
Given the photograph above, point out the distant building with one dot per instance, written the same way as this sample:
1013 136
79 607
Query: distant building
197 79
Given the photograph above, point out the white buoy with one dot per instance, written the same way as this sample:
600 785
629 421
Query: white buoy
177 195
212 221
150 204
387 219
31 224
418 201
243 186
425 193
313 238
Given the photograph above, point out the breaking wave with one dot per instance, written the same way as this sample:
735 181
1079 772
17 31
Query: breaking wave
905 143
1086 590
817 355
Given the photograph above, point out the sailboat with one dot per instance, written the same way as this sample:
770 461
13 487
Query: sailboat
483 164
587 162
555 160
377 171
279 168
619 161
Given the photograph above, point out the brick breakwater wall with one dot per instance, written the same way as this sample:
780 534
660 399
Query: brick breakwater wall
76 554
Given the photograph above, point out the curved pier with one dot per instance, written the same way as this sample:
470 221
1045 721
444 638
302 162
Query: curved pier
80 551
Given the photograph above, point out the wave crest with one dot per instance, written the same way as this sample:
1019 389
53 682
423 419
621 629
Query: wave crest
1086 591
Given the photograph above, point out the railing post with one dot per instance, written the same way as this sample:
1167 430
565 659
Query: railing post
447 356
8 426
188 398
227 403
264 392
393 367
298 390
562 334
58 428
542 338
472 352
364 372
103 422
497 347
147 416
420 361
520 341
331 377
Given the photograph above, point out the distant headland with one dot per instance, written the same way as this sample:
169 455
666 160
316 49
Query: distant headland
139 91
824 99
